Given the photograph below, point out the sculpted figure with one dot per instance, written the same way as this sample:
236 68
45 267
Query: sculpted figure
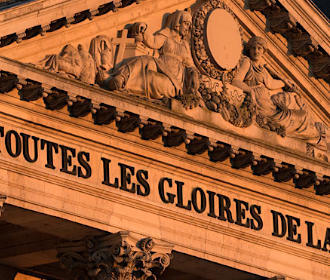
169 75
101 49
278 106
67 62
72 63
88 70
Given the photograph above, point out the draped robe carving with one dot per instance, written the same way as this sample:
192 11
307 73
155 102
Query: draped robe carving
171 74
278 106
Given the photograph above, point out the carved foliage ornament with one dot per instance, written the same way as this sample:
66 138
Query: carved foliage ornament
114 257
216 50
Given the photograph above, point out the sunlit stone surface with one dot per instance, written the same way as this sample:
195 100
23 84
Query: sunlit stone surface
224 40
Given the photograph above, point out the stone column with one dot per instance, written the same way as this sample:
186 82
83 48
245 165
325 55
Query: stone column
7 272
2 201
117 256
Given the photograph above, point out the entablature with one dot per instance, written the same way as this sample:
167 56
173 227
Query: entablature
153 120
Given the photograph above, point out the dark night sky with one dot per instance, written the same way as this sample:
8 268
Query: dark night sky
324 6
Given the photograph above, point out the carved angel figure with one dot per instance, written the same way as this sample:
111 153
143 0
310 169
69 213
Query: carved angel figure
169 75
278 106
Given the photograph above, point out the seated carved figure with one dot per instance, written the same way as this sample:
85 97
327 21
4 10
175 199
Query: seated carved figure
169 75
278 106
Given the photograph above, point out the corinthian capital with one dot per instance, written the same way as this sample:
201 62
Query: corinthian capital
117 256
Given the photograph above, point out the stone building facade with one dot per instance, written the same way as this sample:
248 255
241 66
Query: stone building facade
164 139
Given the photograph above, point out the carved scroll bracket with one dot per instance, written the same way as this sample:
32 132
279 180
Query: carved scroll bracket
119 256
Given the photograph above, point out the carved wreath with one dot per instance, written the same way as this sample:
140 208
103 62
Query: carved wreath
200 52
223 100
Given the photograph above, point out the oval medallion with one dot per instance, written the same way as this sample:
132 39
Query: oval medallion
223 39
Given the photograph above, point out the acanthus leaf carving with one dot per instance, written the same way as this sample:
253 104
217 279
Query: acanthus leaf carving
115 257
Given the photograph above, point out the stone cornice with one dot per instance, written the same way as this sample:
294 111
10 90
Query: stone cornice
39 17
199 137
315 23
300 41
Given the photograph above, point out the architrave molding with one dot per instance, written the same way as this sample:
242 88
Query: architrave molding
143 206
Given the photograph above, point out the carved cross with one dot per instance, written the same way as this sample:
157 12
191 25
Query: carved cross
121 42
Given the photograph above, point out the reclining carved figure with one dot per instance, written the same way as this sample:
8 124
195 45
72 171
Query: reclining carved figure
71 62
89 67
278 106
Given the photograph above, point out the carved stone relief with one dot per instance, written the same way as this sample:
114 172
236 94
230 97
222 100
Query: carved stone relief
300 42
191 59
278 105
233 105
215 56
72 62
114 257
170 74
